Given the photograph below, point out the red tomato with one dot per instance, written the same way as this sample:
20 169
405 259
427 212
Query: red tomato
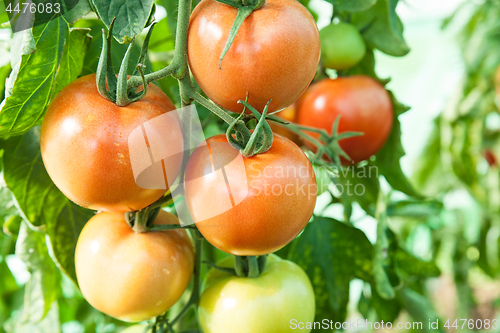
274 55
85 148
255 207
129 276
364 106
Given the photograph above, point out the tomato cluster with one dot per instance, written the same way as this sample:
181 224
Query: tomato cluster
249 209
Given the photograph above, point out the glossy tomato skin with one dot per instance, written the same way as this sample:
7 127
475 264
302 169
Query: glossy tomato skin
364 106
84 144
341 46
265 304
277 191
274 55
129 276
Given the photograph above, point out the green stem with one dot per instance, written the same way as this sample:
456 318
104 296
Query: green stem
222 269
253 267
239 266
195 293
163 227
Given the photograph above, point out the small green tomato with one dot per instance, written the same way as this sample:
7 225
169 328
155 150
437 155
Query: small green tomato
341 46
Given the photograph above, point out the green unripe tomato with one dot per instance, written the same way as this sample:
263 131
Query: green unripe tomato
341 46
267 304
322 178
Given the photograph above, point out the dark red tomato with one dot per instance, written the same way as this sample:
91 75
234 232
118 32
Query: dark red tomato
274 55
85 147
364 106
250 206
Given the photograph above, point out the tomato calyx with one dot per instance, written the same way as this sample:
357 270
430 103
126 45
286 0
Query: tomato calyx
142 220
250 266
244 266
325 144
245 8
257 142
116 89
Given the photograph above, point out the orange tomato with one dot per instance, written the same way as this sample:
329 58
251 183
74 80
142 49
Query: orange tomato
254 208
274 55
129 276
84 144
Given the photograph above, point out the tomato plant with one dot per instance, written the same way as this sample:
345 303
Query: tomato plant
85 148
363 106
264 304
274 56
85 248
129 276
259 223
342 46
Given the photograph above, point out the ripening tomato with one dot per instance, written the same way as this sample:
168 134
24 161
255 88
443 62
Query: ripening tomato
250 206
279 298
274 55
364 106
85 146
341 46
129 276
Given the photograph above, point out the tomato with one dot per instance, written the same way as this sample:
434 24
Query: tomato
341 46
289 114
364 106
274 55
85 146
322 178
265 203
267 304
129 276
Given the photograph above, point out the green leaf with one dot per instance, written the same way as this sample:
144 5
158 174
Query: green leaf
41 202
387 310
354 5
49 324
381 252
171 6
79 10
71 65
94 50
419 307
388 159
382 28
33 77
332 253
131 16
43 286
415 208
408 265
4 74
361 184
8 284
365 67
